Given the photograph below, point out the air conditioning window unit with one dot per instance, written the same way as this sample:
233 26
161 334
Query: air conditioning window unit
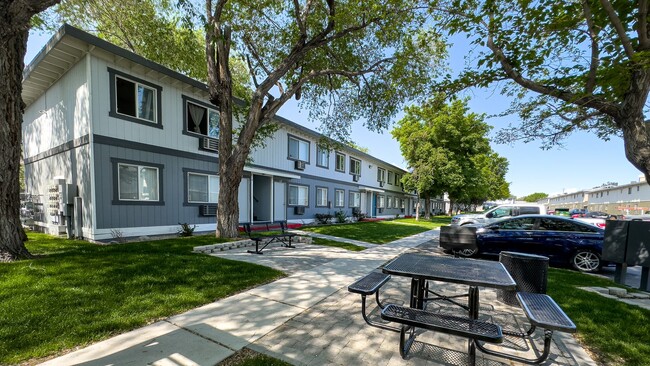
300 165
209 144
355 177
299 210
208 210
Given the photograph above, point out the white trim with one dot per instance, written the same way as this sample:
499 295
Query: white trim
369 189
105 234
269 172
91 147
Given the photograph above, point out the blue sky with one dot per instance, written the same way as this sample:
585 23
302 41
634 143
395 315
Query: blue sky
584 162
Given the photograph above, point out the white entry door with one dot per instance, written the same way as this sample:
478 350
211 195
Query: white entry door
279 201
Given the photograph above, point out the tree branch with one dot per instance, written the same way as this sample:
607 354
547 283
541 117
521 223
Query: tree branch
595 51
590 101
642 30
299 19
616 22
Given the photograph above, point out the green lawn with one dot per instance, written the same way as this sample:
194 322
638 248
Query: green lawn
338 244
379 232
616 333
76 293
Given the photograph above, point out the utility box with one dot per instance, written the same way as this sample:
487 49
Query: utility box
638 244
615 241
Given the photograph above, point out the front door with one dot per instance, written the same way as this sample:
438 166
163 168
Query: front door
374 204
279 201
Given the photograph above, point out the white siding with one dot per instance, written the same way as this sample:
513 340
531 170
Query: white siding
59 115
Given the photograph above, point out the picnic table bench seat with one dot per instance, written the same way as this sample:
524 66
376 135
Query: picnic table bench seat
369 285
260 233
543 312
474 330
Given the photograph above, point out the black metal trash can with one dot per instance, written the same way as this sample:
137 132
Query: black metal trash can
529 271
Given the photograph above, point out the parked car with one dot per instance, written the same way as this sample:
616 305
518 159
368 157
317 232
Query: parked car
564 241
499 212
600 222
642 217
596 214
561 212
577 212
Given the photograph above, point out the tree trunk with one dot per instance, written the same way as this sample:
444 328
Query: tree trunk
451 207
417 209
636 131
427 208
12 51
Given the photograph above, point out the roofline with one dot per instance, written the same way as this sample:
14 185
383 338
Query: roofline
69 30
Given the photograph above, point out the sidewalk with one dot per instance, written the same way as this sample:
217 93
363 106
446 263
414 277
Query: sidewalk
307 318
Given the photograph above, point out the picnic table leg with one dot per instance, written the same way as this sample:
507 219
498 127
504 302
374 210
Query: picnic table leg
418 291
473 302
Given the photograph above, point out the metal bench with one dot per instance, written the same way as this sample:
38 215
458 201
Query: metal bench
474 330
543 312
368 285
253 231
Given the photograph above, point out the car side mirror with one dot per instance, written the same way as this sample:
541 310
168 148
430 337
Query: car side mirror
489 215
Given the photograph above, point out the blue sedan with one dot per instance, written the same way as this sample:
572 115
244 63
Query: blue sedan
563 240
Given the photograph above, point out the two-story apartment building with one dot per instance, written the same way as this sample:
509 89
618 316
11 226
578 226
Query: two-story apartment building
115 143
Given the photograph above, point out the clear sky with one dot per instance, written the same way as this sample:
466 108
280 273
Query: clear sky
583 163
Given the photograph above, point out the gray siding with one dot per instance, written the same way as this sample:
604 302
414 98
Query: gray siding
172 189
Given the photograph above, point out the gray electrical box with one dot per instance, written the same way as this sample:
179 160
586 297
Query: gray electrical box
615 241
638 244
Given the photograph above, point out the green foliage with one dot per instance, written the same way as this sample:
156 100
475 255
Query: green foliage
448 151
534 197
323 218
75 293
341 217
186 230
337 244
378 232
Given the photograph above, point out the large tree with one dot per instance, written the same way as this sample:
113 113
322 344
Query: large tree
448 151
345 60
16 17
571 65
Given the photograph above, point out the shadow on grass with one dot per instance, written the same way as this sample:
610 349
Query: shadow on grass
75 293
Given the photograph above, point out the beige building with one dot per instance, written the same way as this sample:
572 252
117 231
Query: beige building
626 199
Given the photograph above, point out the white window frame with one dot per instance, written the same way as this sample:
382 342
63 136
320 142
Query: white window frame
135 95
390 177
140 199
321 196
306 195
299 141
389 203
320 153
381 175
336 162
207 118
355 199
381 201
339 198
355 162
210 193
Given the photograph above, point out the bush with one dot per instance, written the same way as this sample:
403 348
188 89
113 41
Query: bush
186 230
323 218
340 216
358 216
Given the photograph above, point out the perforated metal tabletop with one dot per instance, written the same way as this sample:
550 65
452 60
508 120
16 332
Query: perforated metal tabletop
455 270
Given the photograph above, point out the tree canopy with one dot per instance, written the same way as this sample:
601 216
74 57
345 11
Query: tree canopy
534 197
569 65
448 151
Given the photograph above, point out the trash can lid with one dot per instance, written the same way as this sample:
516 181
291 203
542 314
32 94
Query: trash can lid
524 256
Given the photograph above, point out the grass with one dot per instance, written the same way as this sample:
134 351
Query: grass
76 293
248 357
380 232
616 333
337 244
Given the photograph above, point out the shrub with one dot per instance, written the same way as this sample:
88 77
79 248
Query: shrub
323 218
186 230
340 216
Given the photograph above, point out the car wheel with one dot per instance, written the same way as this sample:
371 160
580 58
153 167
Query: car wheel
467 252
586 261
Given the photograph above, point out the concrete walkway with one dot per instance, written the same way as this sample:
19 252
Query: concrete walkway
335 238
307 318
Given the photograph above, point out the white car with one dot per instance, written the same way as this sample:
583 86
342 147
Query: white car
592 221
499 212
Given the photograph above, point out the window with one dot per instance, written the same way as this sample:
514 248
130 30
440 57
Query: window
500 212
298 149
340 162
202 120
402 203
355 199
339 198
396 203
321 197
524 210
137 183
390 177
381 175
298 195
390 202
355 166
380 201
134 99
202 188
629 190
397 180
518 224
322 157
562 225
